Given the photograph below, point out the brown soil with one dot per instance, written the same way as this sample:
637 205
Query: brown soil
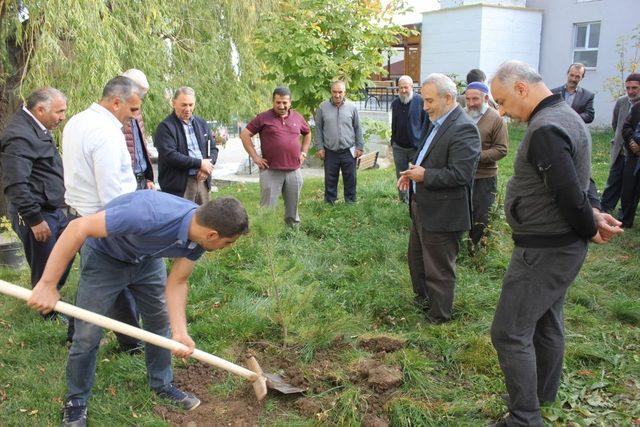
379 377
381 344
373 421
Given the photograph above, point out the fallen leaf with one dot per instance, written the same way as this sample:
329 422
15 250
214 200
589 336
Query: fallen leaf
111 391
41 369
584 372
3 395
134 415
35 411
23 410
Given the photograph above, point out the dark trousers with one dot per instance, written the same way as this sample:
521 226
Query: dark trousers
401 157
334 162
528 327
630 191
432 265
37 253
613 189
484 195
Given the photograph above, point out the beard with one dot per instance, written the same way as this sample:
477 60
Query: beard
405 99
474 113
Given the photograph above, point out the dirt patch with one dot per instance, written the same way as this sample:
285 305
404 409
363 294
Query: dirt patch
241 409
373 421
379 377
382 344
308 407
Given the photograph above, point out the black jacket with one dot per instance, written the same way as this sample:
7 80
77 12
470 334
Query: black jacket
32 177
173 153
582 102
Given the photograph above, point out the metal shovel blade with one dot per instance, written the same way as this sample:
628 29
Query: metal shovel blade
275 382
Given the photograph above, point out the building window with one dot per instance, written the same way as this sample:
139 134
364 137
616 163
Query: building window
586 39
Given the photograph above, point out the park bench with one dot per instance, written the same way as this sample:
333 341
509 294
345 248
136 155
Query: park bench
367 161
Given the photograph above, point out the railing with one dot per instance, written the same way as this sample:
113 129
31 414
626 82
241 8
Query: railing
377 98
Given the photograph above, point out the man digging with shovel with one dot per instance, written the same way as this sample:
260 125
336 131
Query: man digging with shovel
124 245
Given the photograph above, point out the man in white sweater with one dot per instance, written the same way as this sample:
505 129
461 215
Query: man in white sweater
97 169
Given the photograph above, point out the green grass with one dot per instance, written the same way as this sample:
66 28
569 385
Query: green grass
343 274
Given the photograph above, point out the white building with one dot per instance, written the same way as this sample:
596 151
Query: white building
548 34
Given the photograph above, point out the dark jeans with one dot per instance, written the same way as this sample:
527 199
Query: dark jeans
432 265
37 253
630 191
401 157
528 327
102 279
613 189
484 195
334 162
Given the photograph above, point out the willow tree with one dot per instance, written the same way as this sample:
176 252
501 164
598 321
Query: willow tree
309 43
77 45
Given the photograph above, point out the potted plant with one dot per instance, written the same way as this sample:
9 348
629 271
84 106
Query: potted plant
10 245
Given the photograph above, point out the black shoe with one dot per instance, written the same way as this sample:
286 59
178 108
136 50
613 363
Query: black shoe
75 414
184 400
54 315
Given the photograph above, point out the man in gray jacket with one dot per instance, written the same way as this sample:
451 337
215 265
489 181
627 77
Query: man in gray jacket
613 190
339 141
548 204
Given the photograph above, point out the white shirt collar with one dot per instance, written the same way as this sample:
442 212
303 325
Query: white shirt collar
44 129
101 110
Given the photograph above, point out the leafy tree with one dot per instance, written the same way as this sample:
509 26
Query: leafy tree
77 45
309 43
628 48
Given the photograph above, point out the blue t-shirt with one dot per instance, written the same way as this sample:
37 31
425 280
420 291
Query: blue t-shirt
148 224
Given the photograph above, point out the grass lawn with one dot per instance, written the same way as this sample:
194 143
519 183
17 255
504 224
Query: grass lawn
330 307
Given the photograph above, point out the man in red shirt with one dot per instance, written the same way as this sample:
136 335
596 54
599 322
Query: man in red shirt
282 154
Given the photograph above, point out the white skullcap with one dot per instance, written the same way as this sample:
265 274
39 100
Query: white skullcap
138 77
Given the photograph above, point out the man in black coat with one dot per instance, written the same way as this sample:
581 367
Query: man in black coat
186 150
578 98
32 177
439 184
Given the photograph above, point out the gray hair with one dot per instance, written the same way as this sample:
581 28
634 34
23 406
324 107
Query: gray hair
123 88
443 83
405 78
339 82
183 90
514 71
43 96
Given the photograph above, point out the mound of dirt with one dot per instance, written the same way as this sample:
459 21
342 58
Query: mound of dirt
378 376
373 421
308 407
382 344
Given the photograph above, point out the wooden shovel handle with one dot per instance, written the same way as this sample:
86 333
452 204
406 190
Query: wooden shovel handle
149 337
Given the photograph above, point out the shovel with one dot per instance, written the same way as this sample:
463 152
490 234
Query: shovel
259 380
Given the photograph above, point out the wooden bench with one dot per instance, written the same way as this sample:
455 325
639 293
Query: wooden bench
367 161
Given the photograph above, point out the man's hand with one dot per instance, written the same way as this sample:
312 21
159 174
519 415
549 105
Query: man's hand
634 147
206 166
43 297
320 154
186 340
261 162
150 185
608 227
414 173
41 231
403 183
358 153
201 176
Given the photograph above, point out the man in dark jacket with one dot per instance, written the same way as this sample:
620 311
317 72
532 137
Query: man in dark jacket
408 122
440 182
135 138
548 205
631 174
186 150
32 177
578 98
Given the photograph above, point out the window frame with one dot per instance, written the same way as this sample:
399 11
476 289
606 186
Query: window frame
586 47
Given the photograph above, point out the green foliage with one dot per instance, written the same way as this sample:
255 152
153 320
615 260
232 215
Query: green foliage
307 44
78 45
376 129
628 49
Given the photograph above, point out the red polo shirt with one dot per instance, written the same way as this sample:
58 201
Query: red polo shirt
280 138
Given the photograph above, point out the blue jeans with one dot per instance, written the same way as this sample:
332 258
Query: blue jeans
102 278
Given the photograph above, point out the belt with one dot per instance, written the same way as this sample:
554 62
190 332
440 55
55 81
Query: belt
341 151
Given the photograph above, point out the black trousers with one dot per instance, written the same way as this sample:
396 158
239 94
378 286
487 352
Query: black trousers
37 253
613 189
484 195
528 326
630 191
334 162
432 265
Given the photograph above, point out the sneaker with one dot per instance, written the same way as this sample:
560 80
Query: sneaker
75 414
184 400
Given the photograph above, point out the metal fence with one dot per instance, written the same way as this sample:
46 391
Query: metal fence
377 98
